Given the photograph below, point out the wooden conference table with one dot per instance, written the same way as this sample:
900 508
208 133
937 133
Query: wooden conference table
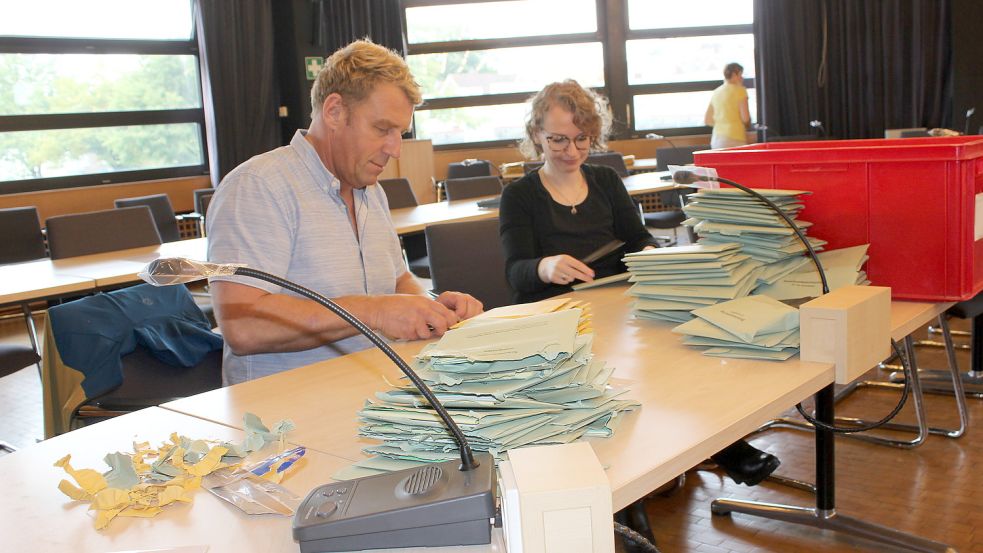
692 405
43 279
36 516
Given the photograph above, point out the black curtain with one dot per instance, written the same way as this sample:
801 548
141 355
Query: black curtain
858 66
338 22
235 42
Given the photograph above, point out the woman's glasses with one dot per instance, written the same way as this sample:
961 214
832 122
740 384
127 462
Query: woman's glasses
559 142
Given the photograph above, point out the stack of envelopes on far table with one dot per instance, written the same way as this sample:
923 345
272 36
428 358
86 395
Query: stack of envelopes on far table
727 215
671 282
507 381
842 267
753 327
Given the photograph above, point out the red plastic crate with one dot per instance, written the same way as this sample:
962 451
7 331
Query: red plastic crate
914 200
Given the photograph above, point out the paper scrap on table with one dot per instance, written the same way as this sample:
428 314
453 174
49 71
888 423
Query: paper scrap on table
135 486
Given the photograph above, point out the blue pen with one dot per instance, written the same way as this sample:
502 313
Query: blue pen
288 457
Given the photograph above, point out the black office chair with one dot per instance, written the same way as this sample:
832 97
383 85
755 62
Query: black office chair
22 241
203 197
154 346
683 155
472 187
941 380
470 168
672 217
164 216
400 194
613 160
101 231
467 257
915 133
794 138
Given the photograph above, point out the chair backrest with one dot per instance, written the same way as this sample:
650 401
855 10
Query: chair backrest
467 257
160 207
469 168
792 138
203 197
472 187
101 231
613 160
915 134
399 192
675 198
157 346
22 238
664 157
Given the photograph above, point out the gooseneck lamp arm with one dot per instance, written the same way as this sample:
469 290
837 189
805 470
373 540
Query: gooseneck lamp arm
168 271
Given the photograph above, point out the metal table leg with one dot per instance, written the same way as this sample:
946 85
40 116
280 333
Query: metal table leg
824 515
921 428
941 381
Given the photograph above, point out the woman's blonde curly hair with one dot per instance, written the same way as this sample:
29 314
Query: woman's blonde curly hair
355 70
591 114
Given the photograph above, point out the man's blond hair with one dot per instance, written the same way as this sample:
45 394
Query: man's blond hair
354 70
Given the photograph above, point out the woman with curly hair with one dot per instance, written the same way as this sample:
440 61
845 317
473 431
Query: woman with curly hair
552 218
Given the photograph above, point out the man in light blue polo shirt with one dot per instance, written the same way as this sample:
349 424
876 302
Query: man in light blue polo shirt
309 212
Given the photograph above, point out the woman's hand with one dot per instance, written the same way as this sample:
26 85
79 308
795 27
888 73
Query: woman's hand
563 269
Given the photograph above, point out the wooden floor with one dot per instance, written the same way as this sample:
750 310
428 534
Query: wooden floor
933 491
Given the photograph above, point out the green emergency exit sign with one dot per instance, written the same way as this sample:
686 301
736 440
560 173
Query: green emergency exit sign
313 64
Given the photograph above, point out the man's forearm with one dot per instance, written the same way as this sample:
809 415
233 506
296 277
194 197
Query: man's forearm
272 323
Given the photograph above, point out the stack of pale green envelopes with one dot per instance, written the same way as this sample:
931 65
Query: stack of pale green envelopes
752 327
744 246
671 282
728 215
507 382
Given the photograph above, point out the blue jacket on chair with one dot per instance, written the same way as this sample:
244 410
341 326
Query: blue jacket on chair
93 333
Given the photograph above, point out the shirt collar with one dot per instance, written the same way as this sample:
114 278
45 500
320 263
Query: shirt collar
324 178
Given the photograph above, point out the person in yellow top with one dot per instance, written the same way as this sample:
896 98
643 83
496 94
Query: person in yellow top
728 111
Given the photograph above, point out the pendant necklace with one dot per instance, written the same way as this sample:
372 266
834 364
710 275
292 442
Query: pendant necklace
573 208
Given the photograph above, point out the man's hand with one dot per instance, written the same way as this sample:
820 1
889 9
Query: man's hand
410 317
464 305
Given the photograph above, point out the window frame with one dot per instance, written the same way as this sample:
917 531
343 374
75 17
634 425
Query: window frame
612 33
68 121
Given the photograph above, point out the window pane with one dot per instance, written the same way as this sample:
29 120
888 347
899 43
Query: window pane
473 124
499 20
678 109
58 153
503 70
115 19
700 58
646 14
32 84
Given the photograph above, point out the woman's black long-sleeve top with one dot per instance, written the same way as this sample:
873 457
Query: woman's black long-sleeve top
533 226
